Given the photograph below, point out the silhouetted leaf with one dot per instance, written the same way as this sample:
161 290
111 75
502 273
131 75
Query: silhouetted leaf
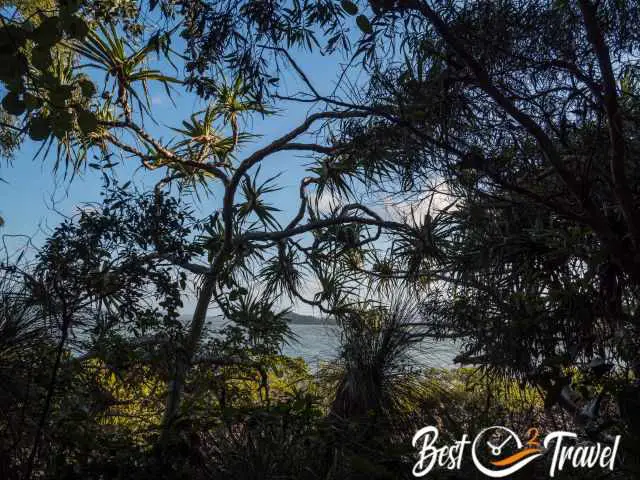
39 128
87 87
48 32
349 7
13 104
87 121
363 24
76 27
41 58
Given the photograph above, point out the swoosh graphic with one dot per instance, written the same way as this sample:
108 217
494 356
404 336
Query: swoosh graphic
508 470
516 457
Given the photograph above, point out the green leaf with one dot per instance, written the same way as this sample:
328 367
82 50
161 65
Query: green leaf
363 24
349 7
12 104
39 128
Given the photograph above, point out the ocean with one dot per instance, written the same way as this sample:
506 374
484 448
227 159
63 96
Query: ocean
317 341
320 342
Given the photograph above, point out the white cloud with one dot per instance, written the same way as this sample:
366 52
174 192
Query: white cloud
327 202
402 210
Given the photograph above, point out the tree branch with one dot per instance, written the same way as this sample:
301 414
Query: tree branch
616 134
319 224
595 218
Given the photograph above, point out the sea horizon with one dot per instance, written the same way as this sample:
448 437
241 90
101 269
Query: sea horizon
317 340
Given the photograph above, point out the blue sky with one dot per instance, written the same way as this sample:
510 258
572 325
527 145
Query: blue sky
32 188
34 200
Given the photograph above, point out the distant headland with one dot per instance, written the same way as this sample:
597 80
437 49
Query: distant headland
299 319
293 318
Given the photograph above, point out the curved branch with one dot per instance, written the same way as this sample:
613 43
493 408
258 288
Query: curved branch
175 160
319 224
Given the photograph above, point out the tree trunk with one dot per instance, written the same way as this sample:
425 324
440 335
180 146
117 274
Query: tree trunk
184 358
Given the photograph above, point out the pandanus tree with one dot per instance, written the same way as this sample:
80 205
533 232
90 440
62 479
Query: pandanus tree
523 114
243 247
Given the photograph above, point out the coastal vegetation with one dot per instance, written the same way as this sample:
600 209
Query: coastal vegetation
472 176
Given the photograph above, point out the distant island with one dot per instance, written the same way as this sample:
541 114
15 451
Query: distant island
299 319
293 318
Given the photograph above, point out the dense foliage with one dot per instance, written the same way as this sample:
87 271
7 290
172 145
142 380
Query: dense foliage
504 131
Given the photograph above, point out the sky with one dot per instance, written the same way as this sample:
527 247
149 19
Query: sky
32 191
34 199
